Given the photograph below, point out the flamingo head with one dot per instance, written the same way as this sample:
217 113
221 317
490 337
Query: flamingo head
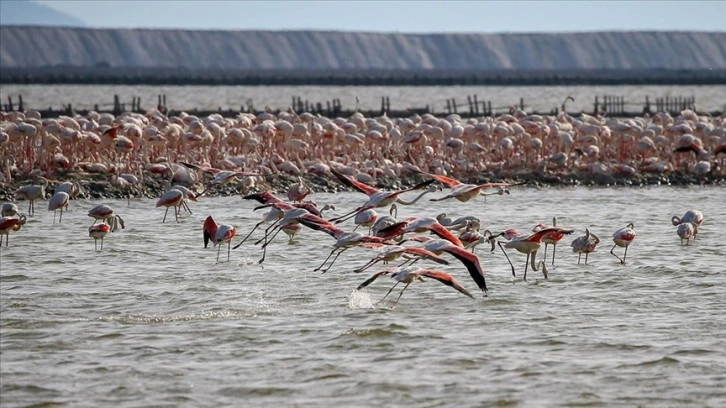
210 230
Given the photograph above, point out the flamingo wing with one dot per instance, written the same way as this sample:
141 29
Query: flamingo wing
362 187
424 253
444 278
373 278
472 264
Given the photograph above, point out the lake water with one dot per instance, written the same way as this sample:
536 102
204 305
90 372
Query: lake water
154 320
536 98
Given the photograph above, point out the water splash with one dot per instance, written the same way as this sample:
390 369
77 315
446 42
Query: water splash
360 300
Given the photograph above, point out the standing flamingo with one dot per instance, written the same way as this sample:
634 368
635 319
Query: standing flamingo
171 198
106 214
32 192
550 239
585 244
98 231
686 231
695 217
8 224
218 234
298 191
623 238
59 201
408 275
528 244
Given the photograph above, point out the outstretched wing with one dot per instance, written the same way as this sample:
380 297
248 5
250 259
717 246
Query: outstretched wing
446 279
372 278
352 183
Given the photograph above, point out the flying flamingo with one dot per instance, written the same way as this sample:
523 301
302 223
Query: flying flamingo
528 244
106 214
8 224
343 240
550 239
59 201
171 198
695 217
97 232
585 244
465 192
408 274
390 253
419 225
377 198
458 223
685 231
469 259
623 238
218 234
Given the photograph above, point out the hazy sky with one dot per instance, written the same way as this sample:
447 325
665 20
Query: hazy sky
401 16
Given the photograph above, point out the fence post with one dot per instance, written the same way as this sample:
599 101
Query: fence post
476 105
597 105
453 104
10 103
116 105
521 103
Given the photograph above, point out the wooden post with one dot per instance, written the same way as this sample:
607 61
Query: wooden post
489 107
10 104
476 105
116 105
383 104
448 106
388 103
20 103
597 106
521 103
453 104
471 106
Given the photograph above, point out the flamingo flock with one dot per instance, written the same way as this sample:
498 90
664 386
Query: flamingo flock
191 154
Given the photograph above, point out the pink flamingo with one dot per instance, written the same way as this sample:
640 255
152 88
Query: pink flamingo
171 198
623 237
8 224
343 240
550 239
420 225
469 259
97 232
9 209
408 275
694 217
390 253
528 244
59 201
298 191
685 231
585 244
106 214
465 192
218 234
377 198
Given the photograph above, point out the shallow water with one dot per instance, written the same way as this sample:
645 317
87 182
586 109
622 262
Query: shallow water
536 98
154 320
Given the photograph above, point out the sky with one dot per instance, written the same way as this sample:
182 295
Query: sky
411 16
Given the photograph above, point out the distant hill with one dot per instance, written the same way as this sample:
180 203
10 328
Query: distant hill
26 12
135 51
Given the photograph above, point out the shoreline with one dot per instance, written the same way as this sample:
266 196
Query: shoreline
100 186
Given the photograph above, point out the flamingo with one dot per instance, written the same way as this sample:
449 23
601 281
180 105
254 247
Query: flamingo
551 239
695 217
390 253
585 244
408 275
686 231
528 244
377 198
465 192
469 259
32 192
419 225
298 191
365 218
59 201
97 232
343 240
458 223
171 198
72 188
623 237
106 214
218 234
8 224
9 209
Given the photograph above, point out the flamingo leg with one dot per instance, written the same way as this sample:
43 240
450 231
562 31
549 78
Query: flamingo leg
334 259
186 207
625 254
389 292
177 210
60 220
54 213
165 212
219 249
554 248
526 264
248 235
579 255
507 256
272 237
95 244
399 295
326 260
586 255
615 255
229 246
545 252
367 265
101 243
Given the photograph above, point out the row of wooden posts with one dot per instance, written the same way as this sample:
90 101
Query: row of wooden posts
609 104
